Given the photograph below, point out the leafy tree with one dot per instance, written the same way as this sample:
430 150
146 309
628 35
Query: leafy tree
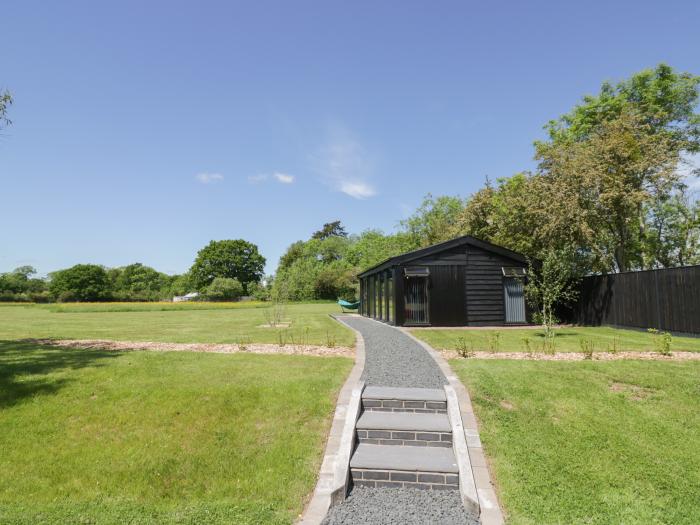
20 281
5 103
138 282
235 259
330 229
178 285
607 181
327 268
434 220
663 99
551 282
260 291
224 289
294 252
672 235
320 270
373 246
503 214
82 282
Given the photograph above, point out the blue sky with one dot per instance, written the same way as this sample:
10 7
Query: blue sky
142 130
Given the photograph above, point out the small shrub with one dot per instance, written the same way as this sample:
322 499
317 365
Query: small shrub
465 348
587 348
662 341
274 314
282 338
549 345
223 289
494 341
243 342
528 345
614 347
330 340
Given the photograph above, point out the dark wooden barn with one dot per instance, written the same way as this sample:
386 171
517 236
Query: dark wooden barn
462 282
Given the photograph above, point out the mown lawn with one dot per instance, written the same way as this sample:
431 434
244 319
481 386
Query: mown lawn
567 339
590 442
151 437
173 322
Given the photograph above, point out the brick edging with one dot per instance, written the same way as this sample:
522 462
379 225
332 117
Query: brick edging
491 512
333 477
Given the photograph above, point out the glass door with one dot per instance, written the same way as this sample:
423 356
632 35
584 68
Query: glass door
416 300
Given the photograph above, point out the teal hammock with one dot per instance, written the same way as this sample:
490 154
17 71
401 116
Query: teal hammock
345 305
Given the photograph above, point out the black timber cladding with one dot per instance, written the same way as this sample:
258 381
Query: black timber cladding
484 286
465 283
665 299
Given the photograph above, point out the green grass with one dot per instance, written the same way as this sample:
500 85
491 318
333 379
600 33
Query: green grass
590 442
194 322
149 437
566 339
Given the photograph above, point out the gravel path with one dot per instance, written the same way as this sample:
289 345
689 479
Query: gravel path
394 359
369 506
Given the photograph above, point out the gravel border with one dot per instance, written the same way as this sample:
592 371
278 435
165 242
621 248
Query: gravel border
393 358
394 506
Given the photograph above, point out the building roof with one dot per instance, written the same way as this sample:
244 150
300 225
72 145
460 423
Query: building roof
443 246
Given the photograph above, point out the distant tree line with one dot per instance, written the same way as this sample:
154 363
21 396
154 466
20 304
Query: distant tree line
222 270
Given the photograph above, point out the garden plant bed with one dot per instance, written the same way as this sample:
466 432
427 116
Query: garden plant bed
576 356
566 339
155 346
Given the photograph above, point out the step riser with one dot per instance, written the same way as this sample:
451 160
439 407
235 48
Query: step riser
404 479
398 405
406 438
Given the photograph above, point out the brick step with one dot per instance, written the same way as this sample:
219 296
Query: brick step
403 428
405 466
392 399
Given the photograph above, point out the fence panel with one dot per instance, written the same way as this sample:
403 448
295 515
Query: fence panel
667 299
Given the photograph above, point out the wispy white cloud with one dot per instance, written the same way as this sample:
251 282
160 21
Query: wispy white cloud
209 178
345 166
358 190
284 178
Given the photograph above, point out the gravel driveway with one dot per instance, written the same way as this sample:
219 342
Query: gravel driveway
394 359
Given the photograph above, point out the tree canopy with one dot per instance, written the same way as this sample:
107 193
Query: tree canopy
234 259
330 229
82 282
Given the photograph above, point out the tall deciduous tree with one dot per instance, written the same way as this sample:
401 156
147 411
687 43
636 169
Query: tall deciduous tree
235 259
665 100
434 220
330 229
607 180
82 282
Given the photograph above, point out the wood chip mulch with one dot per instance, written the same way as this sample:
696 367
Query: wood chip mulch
224 348
577 356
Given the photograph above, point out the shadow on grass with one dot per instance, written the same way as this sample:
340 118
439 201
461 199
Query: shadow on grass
26 369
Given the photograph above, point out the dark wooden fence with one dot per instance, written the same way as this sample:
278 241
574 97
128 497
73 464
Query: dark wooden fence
667 299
